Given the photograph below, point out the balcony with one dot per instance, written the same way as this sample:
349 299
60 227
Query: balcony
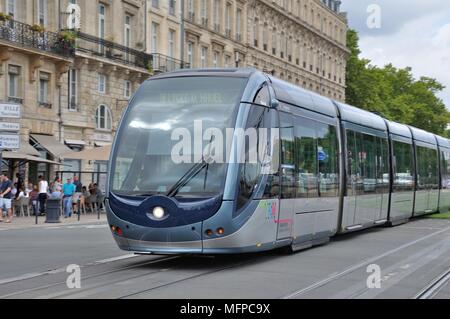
112 51
31 37
117 53
162 63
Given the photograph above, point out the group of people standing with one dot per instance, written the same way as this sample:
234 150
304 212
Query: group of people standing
69 192
57 190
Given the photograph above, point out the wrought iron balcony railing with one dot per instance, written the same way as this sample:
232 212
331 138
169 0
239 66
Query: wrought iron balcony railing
31 37
126 55
164 63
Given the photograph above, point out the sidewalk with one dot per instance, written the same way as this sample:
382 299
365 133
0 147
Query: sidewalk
30 222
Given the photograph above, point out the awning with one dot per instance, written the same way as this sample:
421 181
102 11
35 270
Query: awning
27 158
26 148
75 142
54 147
102 144
95 154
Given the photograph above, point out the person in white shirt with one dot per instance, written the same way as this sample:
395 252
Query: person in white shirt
43 189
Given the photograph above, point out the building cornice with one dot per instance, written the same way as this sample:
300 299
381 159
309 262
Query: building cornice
305 25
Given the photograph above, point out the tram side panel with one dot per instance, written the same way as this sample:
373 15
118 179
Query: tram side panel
444 197
367 183
427 192
310 177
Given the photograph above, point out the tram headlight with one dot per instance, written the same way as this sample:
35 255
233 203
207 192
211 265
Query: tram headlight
158 212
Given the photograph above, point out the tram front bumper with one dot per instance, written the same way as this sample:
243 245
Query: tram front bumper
176 240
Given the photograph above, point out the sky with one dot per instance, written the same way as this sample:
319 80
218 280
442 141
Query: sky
413 33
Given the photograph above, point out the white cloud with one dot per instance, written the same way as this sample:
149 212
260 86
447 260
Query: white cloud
420 38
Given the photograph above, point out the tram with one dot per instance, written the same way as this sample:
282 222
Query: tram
323 167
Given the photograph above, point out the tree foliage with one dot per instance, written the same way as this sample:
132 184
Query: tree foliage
394 93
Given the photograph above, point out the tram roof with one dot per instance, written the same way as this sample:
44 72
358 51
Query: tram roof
229 72
358 116
423 136
292 94
443 142
399 129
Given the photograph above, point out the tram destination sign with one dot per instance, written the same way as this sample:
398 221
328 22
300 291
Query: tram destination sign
9 141
9 127
10 111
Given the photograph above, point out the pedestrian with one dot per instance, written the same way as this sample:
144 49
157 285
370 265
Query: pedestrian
78 185
14 190
21 193
34 198
29 188
78 191
68 191
20 181
43 189
6 198
57 185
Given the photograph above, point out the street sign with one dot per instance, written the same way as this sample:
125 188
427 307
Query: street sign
9 127
9 141
8 110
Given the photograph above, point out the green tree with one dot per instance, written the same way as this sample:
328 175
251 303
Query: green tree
394 93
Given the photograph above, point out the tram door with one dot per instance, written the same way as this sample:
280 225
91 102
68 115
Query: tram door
353 177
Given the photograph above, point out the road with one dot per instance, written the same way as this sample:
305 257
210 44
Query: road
414 260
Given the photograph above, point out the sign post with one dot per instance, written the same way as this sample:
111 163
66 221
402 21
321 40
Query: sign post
9 132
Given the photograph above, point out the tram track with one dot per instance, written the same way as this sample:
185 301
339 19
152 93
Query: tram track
434 287
61 290
166 276
96 275
304 292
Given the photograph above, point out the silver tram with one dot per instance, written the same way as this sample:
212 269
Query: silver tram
330 168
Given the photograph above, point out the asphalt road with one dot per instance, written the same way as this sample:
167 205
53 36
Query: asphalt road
414 260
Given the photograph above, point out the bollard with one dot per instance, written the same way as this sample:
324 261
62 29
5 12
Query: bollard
78 208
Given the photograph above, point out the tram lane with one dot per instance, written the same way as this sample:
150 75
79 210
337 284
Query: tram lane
421 248
283 275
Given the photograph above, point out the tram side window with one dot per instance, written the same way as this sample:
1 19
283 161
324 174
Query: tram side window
403 167
263 96
327 153
368 163
288 168
306 157
433 168
427 176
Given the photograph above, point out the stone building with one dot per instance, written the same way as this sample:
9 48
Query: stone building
74 84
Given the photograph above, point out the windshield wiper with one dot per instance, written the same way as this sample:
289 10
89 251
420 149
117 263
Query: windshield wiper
186 178
191 173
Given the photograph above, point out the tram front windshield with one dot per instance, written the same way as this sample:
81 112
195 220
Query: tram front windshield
156 151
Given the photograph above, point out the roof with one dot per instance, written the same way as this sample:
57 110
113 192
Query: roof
28 158
443 142
399 129
423 136
293 94
358 116
231 72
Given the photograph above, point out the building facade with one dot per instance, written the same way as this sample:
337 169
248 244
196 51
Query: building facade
73 71
300 41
